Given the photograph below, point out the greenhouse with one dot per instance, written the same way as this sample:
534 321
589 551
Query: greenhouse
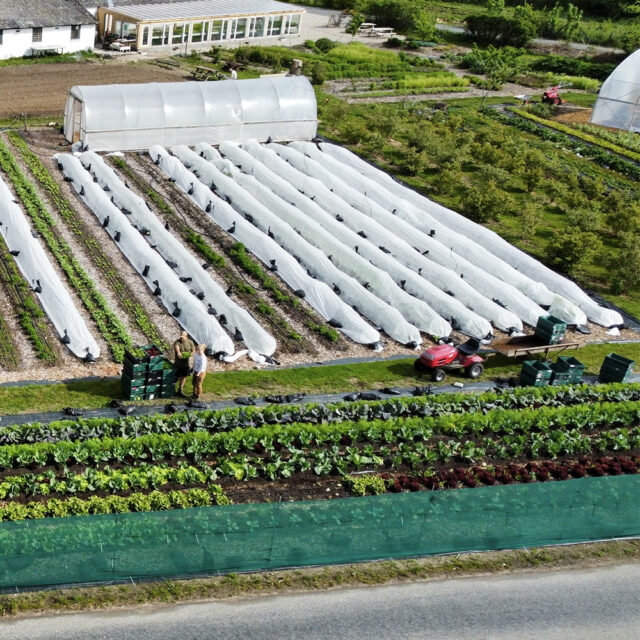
618 103
199 23
136 116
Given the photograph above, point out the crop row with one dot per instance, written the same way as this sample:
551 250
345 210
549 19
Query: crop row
525 432
94 249
460 477
111 328
139 501
597 154
577 133
248 417
30 315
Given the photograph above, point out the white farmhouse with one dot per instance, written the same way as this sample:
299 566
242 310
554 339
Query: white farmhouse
34 27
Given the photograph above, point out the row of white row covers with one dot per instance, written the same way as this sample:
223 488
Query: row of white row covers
40 274
238 320
320 204
259 204
165 283
314 227
317 294
481 246
491 297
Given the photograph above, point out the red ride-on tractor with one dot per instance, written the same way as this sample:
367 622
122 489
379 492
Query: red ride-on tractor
552 96
449 356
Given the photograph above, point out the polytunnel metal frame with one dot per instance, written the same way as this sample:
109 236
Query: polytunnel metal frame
618 103
137 116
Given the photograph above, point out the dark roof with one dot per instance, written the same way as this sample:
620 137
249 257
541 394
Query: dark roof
25 14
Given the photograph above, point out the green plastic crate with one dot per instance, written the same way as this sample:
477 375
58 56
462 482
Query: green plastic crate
535 374
572 366
616 368
550 329
132 370
559 378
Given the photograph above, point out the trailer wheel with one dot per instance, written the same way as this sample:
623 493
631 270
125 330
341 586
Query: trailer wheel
475 370
438 375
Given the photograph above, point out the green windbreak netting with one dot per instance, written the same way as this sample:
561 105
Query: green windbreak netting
267 536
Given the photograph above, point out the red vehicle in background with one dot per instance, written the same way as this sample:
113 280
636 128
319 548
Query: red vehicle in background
449 356
552 96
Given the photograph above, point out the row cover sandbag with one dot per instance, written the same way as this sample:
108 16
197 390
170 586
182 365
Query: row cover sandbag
425 297
40 274
317 294
315 260
292 207
482 291
238 321
225 187
359 217
157 274
485 238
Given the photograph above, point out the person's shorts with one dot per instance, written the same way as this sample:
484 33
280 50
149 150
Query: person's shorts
182 370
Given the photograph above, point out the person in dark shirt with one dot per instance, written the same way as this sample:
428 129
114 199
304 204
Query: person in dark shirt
183 349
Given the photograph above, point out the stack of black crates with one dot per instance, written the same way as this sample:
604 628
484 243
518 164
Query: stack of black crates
147 374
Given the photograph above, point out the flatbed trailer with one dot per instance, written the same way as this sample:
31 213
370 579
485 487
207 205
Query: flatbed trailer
527 346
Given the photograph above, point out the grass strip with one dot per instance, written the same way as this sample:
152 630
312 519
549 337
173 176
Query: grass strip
94 250
340 378
109 325
318 579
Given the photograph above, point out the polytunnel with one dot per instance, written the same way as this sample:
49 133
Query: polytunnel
120 117
618 103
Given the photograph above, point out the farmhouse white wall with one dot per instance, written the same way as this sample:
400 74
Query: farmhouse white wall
18 42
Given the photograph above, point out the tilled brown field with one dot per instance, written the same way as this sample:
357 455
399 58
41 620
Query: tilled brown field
41 89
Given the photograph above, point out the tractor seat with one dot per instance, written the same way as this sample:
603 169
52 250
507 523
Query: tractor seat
470 347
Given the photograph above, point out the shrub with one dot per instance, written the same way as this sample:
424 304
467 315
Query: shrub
393 43
500 30
325 44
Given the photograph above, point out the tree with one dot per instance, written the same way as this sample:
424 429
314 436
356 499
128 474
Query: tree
356 22
571 251
624 268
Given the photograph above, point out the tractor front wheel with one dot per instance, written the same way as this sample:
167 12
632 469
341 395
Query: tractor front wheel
419 366
475 370
438 375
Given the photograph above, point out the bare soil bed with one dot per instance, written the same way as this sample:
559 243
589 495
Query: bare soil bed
41 89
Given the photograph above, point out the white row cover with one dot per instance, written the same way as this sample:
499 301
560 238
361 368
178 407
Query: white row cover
317 294
618 103
531 271
237 320
136 116
427 307
190 313
284 222
254 210
491 297
312 222
360 216
40 274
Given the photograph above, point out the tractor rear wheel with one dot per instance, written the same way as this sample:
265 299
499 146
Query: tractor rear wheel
475 370
438 375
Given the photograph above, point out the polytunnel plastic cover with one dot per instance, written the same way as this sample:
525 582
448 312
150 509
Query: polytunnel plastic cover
618 103
137 116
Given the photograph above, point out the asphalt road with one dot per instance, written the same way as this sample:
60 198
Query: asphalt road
582 603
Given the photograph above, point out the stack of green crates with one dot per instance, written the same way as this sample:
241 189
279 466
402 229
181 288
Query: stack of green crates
148 376
550 329
535 374
616 368
567 370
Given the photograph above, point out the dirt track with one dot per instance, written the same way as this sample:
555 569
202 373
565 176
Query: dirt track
41 89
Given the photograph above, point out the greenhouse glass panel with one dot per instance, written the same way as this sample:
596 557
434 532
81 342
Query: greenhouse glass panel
178 33
196 32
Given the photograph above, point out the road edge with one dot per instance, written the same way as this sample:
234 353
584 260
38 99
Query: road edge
77 599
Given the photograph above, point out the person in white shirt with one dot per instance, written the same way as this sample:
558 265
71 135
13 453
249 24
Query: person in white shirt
199 369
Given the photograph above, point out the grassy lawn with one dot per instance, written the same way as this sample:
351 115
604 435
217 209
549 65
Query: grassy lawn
341 378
